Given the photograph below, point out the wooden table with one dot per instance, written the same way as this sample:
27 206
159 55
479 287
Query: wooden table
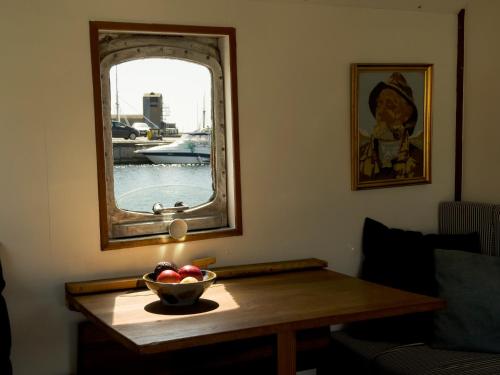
278 304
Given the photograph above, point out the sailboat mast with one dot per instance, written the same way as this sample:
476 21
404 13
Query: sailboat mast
204 125
116 87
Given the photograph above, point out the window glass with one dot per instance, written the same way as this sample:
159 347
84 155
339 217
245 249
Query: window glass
162 168
139 187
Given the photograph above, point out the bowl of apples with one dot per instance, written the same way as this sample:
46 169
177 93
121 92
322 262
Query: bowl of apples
178 286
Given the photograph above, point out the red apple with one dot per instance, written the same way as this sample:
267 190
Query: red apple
168 276
192 271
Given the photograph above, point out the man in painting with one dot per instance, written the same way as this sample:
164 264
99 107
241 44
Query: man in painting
389 153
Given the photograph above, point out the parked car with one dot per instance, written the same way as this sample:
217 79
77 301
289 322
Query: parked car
141 127
120 130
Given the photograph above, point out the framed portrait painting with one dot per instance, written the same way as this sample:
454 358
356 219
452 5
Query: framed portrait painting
390 124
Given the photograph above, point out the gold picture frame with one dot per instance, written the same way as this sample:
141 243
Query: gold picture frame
390 125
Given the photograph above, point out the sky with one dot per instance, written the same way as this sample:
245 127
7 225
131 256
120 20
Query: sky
185 87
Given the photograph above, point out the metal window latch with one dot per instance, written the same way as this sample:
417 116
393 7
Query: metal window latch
178 207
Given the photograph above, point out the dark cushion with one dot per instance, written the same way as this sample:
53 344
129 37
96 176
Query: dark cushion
399 259
5 339
354 356
396 258
404 260
424 360
363 350
470 242
350 355
470 284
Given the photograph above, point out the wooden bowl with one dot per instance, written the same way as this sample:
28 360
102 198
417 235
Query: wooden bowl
177 294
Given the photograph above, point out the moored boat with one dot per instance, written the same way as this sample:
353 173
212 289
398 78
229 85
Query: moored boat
191 148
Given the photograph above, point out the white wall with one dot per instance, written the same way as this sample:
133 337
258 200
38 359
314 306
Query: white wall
481 151
293 76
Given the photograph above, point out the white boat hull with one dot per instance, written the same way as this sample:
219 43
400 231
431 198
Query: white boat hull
178 159
192 148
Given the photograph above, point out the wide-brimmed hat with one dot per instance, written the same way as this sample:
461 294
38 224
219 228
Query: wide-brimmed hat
396 82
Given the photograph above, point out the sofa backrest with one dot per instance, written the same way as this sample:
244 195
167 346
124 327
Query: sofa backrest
467 217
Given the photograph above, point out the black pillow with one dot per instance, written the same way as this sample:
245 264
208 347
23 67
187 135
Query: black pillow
397 258
404 260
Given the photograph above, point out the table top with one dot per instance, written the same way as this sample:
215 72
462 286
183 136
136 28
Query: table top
245 307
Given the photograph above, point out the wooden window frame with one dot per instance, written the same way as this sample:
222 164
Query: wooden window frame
109 221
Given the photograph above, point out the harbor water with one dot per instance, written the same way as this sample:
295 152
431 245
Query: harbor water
138 187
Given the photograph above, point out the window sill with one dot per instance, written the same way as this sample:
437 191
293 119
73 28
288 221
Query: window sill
166 239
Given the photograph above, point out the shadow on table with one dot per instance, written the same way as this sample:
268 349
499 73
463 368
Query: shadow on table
203 305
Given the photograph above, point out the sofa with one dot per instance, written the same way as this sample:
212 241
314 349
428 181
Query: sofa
461 264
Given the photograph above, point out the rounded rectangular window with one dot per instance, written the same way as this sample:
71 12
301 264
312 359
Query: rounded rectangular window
166 132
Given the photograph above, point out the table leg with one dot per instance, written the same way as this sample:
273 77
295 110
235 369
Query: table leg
287 353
